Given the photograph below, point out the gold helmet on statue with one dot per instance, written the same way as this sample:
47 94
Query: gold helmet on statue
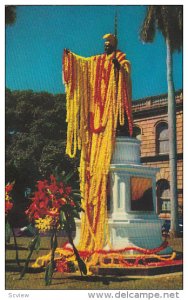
110 39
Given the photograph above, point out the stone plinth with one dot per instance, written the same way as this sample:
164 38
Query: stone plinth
133 221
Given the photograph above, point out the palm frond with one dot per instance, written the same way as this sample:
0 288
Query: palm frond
176 28
168 19
147 32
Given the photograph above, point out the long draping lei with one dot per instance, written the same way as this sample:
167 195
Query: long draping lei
97 96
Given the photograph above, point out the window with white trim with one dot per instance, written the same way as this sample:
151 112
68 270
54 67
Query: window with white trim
162 140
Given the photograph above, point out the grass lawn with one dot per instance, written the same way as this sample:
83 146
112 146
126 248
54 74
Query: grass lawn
74 281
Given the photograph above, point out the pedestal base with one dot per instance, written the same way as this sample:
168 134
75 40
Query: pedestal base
132 220
175 266
137 233
140 233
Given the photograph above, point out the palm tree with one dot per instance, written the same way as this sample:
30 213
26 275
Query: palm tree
168 19
10 14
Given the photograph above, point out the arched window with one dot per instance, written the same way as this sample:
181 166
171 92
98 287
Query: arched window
137 133
162 142
163 196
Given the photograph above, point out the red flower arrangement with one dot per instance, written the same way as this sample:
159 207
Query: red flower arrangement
50 198
53 208
8 198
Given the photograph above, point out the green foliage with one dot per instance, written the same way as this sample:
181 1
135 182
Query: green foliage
33 245
49 273
68 228
37 245
51 266
82 266
31 229
10 14
35 140
53 241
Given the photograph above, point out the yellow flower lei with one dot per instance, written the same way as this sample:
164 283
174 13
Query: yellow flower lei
90 92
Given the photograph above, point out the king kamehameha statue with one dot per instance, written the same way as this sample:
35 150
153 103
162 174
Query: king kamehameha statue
98 91
98 95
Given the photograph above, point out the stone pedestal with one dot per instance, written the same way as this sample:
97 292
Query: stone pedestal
133 220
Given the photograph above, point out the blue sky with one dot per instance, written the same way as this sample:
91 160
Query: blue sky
34 46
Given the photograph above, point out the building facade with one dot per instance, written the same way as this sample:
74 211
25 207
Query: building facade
150 117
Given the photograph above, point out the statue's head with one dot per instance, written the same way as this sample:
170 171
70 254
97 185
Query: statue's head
110 43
